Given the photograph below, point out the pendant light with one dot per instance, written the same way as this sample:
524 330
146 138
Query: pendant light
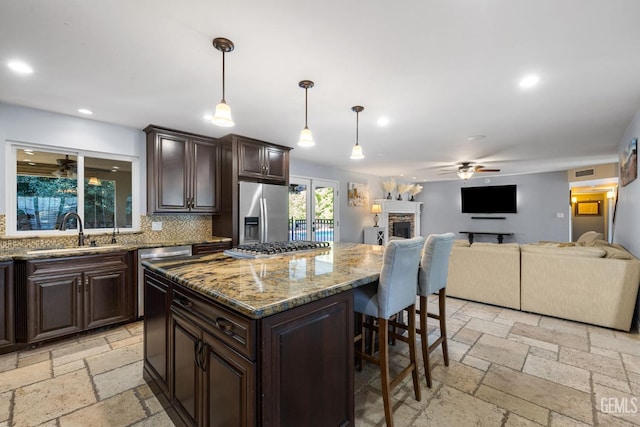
356 152
306 139
222 117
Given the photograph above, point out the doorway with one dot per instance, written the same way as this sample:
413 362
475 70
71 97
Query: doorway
313 209
593 208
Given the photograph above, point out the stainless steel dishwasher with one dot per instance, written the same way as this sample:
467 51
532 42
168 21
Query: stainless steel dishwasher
155 253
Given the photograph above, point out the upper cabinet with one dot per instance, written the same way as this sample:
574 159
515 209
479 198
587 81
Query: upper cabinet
182 172
263 161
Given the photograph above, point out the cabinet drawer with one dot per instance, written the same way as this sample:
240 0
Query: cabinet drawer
236 331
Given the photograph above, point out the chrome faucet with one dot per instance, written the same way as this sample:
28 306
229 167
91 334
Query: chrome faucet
63 226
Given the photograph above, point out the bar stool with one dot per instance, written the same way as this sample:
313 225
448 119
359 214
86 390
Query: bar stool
394 292
432 278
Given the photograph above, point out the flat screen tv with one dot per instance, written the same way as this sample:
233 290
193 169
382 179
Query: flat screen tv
490 199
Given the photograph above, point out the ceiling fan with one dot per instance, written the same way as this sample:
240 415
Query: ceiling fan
466 170
66 167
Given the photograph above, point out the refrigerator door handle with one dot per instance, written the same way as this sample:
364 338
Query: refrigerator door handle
266 220
262 220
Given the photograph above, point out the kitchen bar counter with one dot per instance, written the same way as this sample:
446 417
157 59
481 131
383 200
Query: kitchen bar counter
265 286
256 342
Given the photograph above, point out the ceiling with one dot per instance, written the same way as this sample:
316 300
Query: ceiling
440 71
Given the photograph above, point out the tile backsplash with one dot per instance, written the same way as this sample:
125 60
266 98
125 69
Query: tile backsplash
174 228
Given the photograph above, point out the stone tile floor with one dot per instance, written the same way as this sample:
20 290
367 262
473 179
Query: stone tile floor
507 368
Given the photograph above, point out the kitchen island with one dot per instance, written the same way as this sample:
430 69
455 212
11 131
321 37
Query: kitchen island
265 341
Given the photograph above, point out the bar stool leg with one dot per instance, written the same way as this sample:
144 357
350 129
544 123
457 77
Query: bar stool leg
384 369
412 351
442 298
423 339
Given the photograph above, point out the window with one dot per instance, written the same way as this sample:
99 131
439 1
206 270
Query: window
48 184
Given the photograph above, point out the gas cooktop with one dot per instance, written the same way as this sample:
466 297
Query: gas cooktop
262 250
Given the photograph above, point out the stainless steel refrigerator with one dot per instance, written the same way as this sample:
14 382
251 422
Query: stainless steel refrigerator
264 212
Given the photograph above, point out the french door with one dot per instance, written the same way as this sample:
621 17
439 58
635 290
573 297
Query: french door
313 209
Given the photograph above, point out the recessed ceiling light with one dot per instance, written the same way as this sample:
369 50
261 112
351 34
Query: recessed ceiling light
31 163
529 81
116 167
413 177
85 111
383 121
20 67
28 152
476 138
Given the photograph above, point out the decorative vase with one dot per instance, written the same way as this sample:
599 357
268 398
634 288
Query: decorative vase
389 196
399 196
412 199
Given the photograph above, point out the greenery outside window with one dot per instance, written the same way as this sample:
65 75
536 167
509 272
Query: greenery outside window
49 183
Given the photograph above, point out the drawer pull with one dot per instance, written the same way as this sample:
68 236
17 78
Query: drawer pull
184 302
225 325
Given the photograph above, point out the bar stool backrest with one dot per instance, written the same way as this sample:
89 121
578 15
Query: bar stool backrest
434 266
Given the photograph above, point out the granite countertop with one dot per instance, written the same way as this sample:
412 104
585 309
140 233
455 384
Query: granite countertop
260 287
29 254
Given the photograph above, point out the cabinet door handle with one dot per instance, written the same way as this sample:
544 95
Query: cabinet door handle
225 325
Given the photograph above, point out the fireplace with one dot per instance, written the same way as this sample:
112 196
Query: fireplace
401 219
402 229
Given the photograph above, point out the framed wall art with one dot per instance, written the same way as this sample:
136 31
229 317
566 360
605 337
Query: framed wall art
358 194
629 162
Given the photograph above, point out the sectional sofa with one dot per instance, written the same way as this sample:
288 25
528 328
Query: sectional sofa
594 283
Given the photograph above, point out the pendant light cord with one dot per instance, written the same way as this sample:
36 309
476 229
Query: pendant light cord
305 107
223 77
357 125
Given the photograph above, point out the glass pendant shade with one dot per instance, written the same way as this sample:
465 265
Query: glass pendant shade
465 174
222 117
306 139
356 152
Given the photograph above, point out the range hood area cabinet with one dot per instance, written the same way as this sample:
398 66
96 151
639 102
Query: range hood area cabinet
246 159
183 172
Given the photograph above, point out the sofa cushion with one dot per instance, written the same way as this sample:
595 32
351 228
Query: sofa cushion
461 242
616 253
589 237
582 251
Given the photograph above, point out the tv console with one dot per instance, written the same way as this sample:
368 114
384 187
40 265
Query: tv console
500 235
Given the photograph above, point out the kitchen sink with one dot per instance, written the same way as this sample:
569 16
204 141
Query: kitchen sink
77 249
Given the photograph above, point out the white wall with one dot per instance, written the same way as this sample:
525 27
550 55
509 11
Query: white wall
627 226
540 198
21 124
353 220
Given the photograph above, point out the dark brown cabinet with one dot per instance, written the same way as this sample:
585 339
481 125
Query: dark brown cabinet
7 337
223 369
156 343
182 172
68 295
262 161
212 384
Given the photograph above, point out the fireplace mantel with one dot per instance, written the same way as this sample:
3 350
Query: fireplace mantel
399 207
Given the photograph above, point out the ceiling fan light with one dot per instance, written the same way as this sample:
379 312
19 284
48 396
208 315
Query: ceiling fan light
356 152
306 139
465 174
222 117
57 173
